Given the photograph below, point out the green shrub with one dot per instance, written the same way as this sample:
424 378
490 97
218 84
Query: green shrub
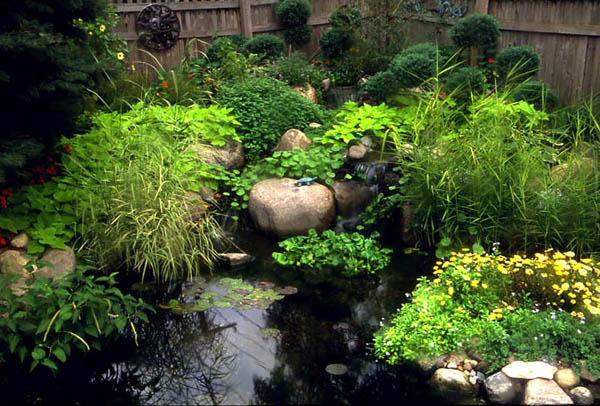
266 108
517 63
270 46
77 312
476 30
292 13
443 54
464 82
298 35
130 175
413 69
345 18
334 43
352 254
538 94
497 307
215 50
297 71
380 86
346 70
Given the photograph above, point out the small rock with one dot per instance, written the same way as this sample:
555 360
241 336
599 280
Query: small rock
500 388
326 84
457 357
357 152
586 374
482 366
582 396
451 365
473 380
63 261
14 262
566 378
314 125
529 370
236 259
471 362
293 139
541 391
367 141
467 367
440 364
20 241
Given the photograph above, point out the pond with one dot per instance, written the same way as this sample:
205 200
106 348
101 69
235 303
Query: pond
311 347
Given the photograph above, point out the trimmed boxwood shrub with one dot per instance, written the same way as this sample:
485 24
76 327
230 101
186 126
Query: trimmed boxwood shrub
270 46
334 43
380 86
266 108
412 69
467 80
293 12
346 18
537 93
215 49
476 30
298 35
520 62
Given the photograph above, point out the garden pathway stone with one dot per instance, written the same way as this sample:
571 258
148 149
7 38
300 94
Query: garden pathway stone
529 370
545 392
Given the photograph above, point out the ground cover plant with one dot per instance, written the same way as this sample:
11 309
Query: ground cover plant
528 307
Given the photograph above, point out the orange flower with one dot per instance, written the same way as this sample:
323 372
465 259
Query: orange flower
190 76
68 148
491 60
158 94
164 84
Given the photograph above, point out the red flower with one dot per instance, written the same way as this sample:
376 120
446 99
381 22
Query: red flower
491 60
3 202
68 148
190 76
51 171
2 241
164 84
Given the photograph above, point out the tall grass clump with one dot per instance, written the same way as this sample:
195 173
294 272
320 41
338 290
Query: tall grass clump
498 175
133 173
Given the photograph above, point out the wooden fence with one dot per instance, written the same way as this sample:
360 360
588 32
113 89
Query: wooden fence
566 34
205 19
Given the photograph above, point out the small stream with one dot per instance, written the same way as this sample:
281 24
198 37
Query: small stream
232 356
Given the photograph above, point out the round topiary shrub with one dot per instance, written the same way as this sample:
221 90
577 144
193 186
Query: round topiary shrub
517 63
346 19
268 45
380 87
464 82
538 94
216 48
298 35
443 53
266 108
476 30
293 12
412 69
334 43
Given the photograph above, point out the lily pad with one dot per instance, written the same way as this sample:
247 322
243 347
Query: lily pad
208 295
288 290
222 304
336 369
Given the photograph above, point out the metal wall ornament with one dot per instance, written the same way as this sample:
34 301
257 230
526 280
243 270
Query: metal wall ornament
158 27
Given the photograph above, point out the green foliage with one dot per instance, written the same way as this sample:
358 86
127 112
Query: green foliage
380 86
219 46
381 209
297 71
354 122
476 30
412 69
292 13
464 82
346 70
130 174
538 94
318 161
267 45
517 63
266 108
334 43
351 254
298 35
76 312
45 212
346 19
15 153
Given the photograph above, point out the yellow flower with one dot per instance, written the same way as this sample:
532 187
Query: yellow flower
133 68
475 283
451 290
436 280
102 28
564 286
570 254
484 285
90 33
120 56
528 272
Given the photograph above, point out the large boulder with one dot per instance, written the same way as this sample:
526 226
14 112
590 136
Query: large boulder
351 197
453 386
292 139
62 262
278 206
308 92
500 389
566 378
529 370
231 156
545 392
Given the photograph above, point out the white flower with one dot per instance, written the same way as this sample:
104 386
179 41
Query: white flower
578 331
431 345
535 338
459 344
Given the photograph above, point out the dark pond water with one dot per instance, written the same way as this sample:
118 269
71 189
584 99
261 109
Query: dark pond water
226 355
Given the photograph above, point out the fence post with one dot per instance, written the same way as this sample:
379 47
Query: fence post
246 18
